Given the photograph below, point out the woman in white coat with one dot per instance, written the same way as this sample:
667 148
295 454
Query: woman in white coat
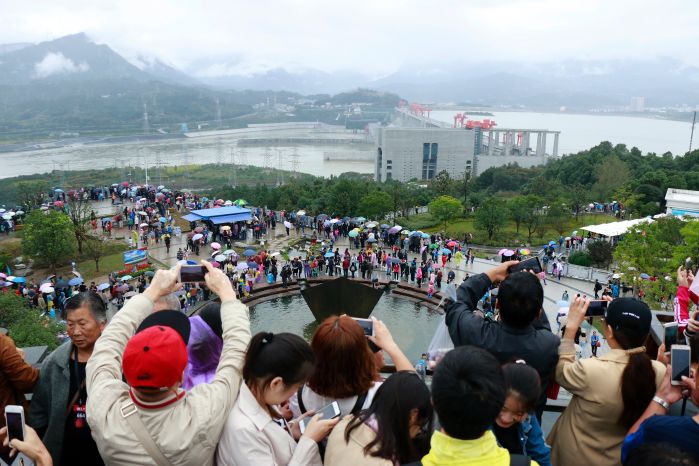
276 366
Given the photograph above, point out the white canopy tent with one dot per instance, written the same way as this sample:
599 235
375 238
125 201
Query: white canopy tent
615 228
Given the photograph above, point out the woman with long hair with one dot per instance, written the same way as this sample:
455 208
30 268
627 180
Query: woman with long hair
256 431
346 370
609 392
395 429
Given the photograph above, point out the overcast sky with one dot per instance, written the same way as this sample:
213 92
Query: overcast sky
372 36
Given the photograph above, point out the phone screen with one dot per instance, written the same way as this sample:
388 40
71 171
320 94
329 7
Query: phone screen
15 425
670 336
192 273
532 264
367 326
597 308
329 412
680 363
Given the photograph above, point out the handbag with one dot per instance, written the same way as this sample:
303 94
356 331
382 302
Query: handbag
130 413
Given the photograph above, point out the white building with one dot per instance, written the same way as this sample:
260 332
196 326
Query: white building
682 202
404 154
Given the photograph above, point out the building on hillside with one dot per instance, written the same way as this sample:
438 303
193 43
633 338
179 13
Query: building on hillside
682 202
404 154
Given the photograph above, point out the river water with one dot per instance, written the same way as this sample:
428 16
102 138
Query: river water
578 132
582 131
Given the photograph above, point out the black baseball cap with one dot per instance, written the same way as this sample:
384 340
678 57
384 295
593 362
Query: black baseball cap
629 315
176 320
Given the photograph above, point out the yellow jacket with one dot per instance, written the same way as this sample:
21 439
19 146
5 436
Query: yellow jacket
447 451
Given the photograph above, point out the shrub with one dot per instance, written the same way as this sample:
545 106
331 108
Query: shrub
580 258
25 325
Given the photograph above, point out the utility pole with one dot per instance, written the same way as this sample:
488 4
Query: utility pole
691 137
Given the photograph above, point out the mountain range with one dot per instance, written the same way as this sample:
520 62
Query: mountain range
74 67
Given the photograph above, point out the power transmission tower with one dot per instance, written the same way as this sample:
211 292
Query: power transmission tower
218 113
294 157
267 159
146 126
280 172
219 151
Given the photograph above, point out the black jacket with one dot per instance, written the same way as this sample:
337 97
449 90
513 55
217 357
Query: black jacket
534 343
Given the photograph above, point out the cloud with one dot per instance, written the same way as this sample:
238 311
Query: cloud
57 63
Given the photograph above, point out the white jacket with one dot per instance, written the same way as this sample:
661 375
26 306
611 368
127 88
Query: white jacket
251 437
186 431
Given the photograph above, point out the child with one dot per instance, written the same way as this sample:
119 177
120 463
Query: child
430 289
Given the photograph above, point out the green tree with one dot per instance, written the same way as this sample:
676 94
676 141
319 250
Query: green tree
518 210
491 217
578 197
95 247
612 173
558 216
79 211
375 205
32 192
442 184
601 252
25 325
48 237
533 215
445 208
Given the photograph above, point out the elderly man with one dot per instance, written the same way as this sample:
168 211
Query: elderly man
59 401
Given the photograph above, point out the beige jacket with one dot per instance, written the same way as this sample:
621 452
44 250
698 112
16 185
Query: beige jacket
587 433
251 437
186 431
341 453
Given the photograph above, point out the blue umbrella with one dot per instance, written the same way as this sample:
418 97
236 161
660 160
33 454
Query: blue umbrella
446 251
425 235
17 280
103 286
249 252
384 226
252 264
371 240
416 233
329 254
645 276
163 219
75 281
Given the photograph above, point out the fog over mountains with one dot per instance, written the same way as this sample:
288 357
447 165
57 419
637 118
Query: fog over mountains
576 84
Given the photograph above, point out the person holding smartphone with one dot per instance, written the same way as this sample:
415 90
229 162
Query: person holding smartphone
610 392
276 366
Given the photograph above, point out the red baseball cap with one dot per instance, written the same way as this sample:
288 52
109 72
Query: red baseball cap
154 358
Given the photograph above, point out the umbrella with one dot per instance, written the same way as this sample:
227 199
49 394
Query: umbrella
395 229
326 223
240 202
129 294
371 240
453 244
125 278
220 258
46 288
334 221
76 273
216 245
508 253
75 281
225 228
433 246
301 213
17 279
288 224
242 266
163 219
197 237
371 225
215 253
7 216
552 243
252 265
4 284
524 252
228 203
411 233
361 219
230 252
645 276
215 264
567 238
143 225
446 251
322 216
2 275
149 273
20 212
502 251
425 235
2 210
62 284
384 226
142 213
353 234
329 254
616 275
103 286
248 252
122 288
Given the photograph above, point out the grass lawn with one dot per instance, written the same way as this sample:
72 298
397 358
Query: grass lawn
108 264
508 235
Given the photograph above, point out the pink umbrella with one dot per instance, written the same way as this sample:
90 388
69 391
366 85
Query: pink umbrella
215 245
508 253
215 264
2 275
422 249
502 251
452 244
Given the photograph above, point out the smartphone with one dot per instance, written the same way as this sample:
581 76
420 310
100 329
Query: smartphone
679 360
597 308
367 326
192 273
14 418
670 339
533 264
330 411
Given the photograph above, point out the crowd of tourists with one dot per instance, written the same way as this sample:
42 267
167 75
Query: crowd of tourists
155 387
